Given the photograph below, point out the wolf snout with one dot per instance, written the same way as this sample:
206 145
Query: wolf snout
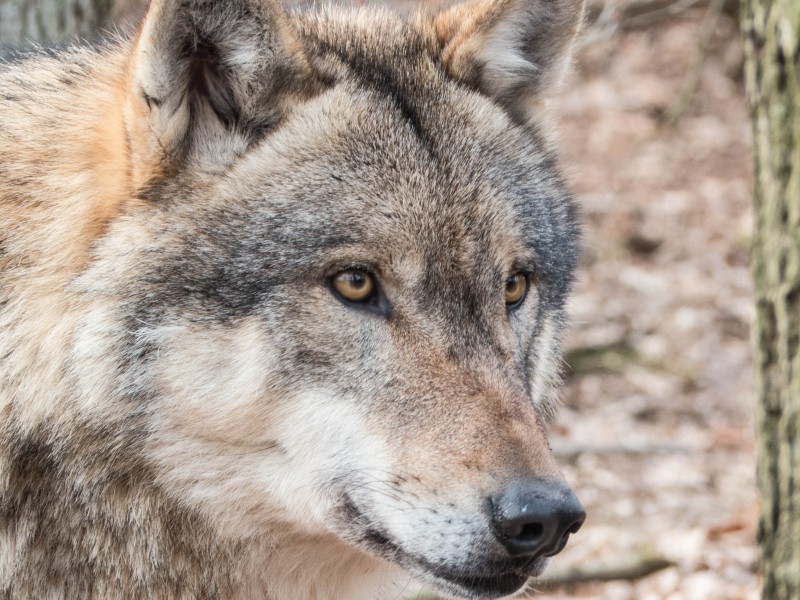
535 517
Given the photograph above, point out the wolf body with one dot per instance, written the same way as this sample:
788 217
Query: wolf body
189 405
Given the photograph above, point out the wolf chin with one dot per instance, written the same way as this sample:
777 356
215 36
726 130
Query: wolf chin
280 304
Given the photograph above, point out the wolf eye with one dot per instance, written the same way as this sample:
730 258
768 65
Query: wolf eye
355 286
516 288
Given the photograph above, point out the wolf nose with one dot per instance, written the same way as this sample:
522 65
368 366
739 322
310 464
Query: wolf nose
535 517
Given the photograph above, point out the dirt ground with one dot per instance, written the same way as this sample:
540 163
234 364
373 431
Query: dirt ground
656 432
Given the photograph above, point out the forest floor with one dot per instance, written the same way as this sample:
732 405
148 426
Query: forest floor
656 431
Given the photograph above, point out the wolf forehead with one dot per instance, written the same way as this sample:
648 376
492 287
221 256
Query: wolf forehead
393 158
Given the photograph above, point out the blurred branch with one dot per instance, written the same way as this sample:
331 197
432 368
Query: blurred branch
50 20
607 17
60 21
573 451
607 358
692 79
628 570
634 14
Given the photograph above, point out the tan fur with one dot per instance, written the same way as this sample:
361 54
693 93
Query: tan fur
487 42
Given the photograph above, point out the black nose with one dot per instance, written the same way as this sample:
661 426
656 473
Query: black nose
535 517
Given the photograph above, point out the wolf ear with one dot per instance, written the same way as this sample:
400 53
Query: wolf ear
206 77
512 50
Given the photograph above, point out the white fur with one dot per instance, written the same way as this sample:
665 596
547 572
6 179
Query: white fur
261 467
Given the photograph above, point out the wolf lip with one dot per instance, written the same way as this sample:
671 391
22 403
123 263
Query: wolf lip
495 581
486 587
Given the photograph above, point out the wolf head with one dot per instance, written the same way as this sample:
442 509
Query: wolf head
339 296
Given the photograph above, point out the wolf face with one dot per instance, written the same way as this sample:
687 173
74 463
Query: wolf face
327 317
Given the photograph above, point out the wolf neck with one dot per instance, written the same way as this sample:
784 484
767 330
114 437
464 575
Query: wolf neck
316 568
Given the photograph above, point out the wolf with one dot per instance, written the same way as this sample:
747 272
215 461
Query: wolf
281 296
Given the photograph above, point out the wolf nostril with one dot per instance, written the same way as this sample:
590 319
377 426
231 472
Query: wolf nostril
519 530
531 532
576 525
565 538
535 517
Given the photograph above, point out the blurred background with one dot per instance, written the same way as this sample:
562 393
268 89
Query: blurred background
656 431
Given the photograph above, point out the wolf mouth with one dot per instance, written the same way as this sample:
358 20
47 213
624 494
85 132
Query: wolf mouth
476 585
484 584
479 585
486 587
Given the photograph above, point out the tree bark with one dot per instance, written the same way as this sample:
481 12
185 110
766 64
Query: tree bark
53 21
772 39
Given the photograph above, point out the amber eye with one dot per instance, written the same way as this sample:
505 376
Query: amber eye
355 286
516 286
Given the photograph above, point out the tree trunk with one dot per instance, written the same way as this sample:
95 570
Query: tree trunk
772 38
22 21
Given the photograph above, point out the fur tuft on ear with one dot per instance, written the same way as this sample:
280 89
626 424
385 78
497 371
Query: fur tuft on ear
513 50
209 76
